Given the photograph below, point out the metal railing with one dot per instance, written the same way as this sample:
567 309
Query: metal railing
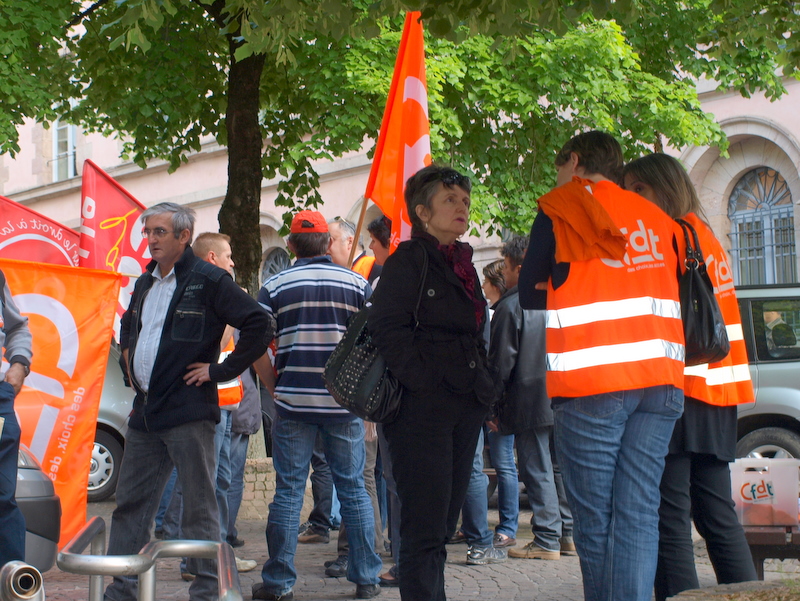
98 564
21 582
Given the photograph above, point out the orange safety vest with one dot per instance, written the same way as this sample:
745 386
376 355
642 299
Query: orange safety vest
363 266
726 382
232 391
616 324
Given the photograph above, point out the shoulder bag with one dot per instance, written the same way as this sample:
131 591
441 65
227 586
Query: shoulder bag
703 326
356 374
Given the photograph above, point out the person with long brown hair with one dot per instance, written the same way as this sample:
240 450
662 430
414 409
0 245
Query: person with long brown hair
696 481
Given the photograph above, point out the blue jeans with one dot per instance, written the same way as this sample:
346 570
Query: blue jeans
147 463
475 511
536 470
611 448
501 452
239 444
344 449
222 446
12 522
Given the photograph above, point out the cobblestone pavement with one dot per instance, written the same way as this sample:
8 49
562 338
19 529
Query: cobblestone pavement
515 579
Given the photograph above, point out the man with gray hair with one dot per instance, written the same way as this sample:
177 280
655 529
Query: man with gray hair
343 235
170 339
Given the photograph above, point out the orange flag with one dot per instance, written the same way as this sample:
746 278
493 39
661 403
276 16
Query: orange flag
30 236
404 143
70 312
111 234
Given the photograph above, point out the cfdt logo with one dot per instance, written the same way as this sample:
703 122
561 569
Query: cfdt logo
758 492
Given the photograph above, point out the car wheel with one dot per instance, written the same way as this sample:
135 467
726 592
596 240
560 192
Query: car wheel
777 443
104 468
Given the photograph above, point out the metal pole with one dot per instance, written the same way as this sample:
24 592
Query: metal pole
361 217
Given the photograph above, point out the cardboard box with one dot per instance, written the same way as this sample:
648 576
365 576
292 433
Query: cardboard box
765 491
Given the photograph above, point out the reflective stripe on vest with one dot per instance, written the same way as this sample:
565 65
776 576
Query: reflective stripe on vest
726 382
607 310
614 354
232 391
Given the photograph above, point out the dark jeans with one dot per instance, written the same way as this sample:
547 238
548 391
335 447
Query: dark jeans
146 467
12 522
699 486
392 500
432 445
321 489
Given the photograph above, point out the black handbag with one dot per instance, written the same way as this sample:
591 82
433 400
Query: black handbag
703 326
356 374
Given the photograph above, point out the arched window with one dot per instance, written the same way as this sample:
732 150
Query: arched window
762 229
276 261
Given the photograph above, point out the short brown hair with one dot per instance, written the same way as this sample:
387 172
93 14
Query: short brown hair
493 273
598 152
208 241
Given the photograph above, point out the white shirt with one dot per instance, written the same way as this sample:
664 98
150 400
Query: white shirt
154 314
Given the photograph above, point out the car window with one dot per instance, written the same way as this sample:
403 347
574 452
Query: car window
776 328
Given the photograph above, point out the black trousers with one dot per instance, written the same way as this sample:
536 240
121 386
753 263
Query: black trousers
698 486
432 445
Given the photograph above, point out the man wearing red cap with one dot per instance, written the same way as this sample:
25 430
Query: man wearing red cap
312 301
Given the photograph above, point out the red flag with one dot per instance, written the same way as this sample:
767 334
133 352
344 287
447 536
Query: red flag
404 143
111 234
29 236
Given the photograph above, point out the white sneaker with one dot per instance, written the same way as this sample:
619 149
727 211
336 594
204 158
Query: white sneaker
245 565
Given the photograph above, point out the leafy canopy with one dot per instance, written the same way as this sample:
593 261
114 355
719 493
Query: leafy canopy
499 106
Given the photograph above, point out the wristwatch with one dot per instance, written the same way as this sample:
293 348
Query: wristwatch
27 368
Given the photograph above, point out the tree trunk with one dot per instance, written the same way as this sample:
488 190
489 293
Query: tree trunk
239 215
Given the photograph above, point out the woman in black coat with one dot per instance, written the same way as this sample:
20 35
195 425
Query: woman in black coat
442 365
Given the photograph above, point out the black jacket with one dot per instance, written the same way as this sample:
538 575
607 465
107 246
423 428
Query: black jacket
518 359
206 299
446 354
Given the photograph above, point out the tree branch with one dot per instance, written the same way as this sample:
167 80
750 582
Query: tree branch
76 20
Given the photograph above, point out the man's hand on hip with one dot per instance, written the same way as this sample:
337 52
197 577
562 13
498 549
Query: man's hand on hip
197 374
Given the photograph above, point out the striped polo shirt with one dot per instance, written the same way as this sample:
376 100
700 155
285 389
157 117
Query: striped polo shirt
311 302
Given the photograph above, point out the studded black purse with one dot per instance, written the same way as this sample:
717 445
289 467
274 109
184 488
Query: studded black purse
356 374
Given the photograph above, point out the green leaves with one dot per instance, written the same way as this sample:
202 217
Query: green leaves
30 63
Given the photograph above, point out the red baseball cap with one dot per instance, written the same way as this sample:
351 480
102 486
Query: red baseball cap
309 222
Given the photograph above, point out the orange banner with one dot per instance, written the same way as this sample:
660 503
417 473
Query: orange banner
70 312
111 233
404 143
30 236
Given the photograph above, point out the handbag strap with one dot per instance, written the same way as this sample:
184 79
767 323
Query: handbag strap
694 255
422 279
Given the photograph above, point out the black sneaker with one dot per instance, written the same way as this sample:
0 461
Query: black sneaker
260 593
303 527
235 542
338 569
367 591
312 537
